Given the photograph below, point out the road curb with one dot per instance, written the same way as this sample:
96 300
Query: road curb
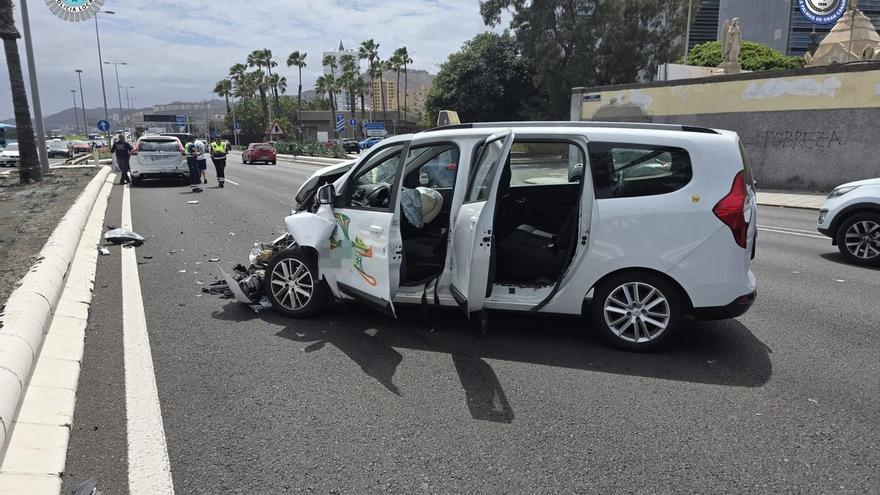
29 309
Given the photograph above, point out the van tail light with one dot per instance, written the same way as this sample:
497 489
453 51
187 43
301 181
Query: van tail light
731 210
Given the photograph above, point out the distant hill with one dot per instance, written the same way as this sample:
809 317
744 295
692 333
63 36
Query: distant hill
66 118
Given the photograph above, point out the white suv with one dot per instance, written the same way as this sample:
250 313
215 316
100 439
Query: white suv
851 218
661 226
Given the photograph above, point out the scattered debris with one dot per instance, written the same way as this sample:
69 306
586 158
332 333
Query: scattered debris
104 251
123 236
148 257
371 332
213 260
814 401
232 234
181 271
193 202
712 361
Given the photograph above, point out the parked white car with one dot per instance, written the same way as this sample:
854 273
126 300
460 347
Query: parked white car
522 228
851 218
158 157
9 156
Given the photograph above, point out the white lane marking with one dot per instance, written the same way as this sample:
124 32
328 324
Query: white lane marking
788 229
764 229
232 182
149 471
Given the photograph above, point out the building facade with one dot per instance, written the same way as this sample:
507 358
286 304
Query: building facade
342 102
390 90
704 23
778 24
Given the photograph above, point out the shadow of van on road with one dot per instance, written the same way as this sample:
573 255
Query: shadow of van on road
718 353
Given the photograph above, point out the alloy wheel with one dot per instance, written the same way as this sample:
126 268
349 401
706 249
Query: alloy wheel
863 239
637 312
292 284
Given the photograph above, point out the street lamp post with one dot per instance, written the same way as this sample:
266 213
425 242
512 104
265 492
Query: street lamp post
82 100
232 107
118 91
101 62
128 99
35 90
75 113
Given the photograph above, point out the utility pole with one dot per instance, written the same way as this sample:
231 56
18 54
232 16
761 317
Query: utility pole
118 91
75 113
35 90
687 33
83 101
101 63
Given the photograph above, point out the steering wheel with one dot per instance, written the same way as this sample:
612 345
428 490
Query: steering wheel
378 196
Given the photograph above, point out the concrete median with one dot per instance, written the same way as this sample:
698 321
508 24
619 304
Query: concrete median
29 310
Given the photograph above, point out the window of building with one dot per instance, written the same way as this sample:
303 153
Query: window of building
622 170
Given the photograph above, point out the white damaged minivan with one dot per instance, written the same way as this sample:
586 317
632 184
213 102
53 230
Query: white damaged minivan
647 223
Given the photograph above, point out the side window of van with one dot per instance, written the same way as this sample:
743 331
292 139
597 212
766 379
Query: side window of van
544 163
622 170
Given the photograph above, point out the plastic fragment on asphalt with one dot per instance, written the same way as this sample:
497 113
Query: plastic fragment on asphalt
193 202
104 251
213 260
371 332
148 257
123 236
181 271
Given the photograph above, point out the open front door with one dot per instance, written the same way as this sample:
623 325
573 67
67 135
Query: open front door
473 232
367 242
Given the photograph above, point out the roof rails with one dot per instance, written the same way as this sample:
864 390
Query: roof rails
589 124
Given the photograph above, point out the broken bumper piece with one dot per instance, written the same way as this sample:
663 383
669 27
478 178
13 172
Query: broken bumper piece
245 284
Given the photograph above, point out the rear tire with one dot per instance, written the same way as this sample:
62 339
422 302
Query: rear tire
273 162
862 232
293 285
637 311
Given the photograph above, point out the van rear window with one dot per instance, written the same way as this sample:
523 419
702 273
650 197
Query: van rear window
747 165
157 145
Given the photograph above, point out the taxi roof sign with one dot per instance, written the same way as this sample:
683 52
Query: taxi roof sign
447 117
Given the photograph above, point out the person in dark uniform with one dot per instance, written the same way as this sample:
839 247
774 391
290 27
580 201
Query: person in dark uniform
218 156
122 150
194 174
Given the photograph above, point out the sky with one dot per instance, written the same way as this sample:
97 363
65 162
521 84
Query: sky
179 50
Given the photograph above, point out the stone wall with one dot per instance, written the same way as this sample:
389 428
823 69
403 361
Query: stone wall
803 130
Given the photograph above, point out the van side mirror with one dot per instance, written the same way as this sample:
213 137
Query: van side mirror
325 195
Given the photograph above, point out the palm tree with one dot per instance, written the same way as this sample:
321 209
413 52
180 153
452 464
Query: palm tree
29 165
275 82
396 63
321 86
257 80
404 57
349 76
224 88
298 60
236 73
369 50
330 61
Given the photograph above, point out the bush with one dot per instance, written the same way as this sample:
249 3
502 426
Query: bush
309 148
753 57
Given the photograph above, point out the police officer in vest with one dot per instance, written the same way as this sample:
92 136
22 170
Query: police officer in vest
218 156
194 174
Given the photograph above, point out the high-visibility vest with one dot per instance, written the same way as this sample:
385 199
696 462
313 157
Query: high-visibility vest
219 148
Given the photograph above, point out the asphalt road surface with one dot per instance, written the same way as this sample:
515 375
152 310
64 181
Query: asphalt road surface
782 400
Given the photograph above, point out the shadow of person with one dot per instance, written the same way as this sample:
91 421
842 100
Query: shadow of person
366 348
485 397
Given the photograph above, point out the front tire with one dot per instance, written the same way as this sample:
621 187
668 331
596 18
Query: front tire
858 239
273 162
293 285
637 311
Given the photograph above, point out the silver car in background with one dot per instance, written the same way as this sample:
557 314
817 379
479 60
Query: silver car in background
158 157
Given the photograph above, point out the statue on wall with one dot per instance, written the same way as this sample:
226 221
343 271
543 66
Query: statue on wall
731 45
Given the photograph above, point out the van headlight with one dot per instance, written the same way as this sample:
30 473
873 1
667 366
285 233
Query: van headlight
840 191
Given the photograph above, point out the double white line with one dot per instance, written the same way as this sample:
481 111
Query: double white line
788 231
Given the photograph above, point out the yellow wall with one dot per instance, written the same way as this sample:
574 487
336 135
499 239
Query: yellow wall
812 92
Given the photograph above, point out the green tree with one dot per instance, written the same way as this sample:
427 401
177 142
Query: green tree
237 74
298 60
224 88
487 80
590 42
396 64
404 57
754 57
29 165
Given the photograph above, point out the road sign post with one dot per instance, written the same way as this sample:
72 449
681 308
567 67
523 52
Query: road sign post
375 129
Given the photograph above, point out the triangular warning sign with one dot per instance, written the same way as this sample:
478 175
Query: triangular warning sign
276 129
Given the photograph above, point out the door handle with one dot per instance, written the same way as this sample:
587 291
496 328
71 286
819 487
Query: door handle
376 229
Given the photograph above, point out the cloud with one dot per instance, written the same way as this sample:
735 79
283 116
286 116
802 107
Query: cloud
178 50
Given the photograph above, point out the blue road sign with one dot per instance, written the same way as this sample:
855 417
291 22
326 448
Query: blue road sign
374 125
103 125
353 122
340 118
237 124
340 126
181 120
